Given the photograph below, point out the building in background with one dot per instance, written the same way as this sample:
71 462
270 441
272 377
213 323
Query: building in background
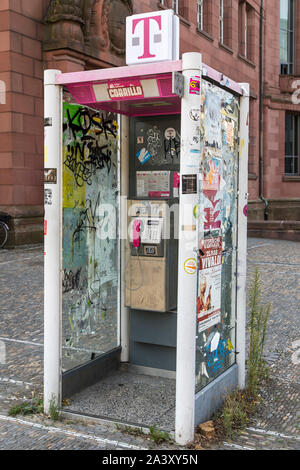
73 35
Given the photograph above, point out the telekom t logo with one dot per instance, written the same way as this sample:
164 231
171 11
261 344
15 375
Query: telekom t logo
152 37
157 37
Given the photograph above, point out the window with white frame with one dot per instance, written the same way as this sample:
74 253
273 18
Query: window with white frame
287 36
200 14
292 133
221 20
246 33
174 5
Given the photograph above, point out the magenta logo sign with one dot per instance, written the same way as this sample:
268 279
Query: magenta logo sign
146 38
152 37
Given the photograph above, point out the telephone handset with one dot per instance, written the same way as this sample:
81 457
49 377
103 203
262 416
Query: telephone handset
136 229
146 231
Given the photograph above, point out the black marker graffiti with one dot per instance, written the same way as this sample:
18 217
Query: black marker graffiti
71 280
87 219
172 148
84 119
85 155
85 159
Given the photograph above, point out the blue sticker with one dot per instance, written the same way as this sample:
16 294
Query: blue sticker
143 155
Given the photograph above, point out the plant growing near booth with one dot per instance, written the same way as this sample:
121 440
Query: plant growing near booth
54 413
35 406
259 317
240 405
155 433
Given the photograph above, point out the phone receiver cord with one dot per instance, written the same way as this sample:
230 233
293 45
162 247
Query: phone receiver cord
132 289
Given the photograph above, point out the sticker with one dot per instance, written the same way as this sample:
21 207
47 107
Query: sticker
48 122
209 285
48 197
176 184
178 84
189 184
245 210
196 211
45 227
194 114
170 133
50 176
125 90
140 139
188 228
143 155
212 178
242 146
194 86
190 266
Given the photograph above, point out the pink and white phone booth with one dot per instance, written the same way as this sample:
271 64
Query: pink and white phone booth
145 234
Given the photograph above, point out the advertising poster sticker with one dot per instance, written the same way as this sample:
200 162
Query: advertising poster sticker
209 285
211 188
213 119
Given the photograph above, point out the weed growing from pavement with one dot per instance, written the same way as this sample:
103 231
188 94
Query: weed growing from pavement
156 434
54 409
236 413
240 405
35 406
259 316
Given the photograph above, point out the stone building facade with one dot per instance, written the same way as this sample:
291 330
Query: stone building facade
74 35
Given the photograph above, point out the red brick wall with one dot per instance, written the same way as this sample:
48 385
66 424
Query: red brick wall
21 118
21 68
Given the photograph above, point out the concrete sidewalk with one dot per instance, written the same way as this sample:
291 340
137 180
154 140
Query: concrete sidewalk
276 425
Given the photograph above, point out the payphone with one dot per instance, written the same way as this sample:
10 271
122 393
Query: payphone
151 267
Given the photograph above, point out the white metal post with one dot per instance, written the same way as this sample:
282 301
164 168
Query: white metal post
52 239
125 318
242 237
187 282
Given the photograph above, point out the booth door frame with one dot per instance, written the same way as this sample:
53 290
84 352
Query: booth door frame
187 285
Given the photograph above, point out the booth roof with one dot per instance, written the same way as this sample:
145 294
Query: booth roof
139 90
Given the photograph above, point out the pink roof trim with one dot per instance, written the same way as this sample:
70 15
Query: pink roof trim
156 68
119 72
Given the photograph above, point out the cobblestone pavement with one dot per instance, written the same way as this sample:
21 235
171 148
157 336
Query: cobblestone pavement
276 424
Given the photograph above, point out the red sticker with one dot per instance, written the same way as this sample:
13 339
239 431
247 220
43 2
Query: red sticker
45 227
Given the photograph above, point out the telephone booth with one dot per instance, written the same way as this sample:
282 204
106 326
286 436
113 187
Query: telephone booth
145 242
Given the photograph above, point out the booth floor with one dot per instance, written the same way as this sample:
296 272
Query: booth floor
129 397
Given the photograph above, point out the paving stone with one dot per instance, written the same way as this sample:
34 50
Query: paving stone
21 375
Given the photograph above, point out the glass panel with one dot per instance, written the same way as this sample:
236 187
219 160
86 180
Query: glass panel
90 260
217 228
